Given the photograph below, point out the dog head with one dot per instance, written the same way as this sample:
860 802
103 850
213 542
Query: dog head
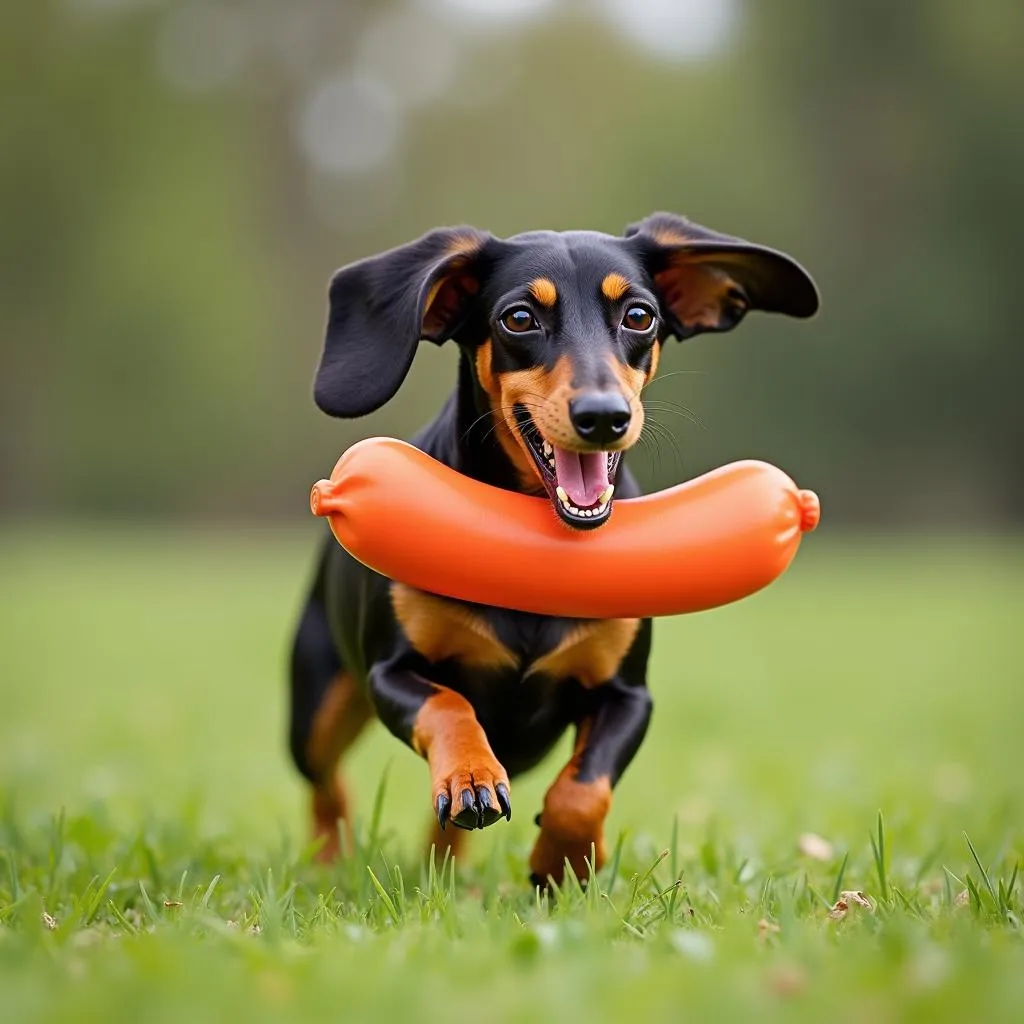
562 330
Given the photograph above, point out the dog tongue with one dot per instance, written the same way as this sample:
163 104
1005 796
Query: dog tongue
583 476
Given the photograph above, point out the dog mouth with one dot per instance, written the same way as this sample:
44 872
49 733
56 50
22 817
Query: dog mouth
580 484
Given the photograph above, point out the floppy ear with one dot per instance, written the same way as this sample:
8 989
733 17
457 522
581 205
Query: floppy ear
381 307
709 282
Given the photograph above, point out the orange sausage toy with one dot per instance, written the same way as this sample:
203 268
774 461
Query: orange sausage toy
699 545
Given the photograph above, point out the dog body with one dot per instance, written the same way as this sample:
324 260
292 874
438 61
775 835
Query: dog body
558 334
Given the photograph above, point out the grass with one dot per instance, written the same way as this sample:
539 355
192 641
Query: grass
153 857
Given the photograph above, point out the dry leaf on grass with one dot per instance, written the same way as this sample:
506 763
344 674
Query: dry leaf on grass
50 922
849 897
816 847
766 928
963 899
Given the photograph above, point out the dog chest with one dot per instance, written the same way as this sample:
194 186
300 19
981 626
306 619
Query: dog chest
441 630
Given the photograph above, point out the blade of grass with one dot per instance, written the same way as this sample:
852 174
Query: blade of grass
613 866
373 837
820 897
657 897
13 875
878 849
981 868
151 910
382 892
975 896
205 901
56 854
91 909
838 887
121 919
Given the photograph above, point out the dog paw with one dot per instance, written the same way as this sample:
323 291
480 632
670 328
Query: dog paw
571 829
551 851
472 797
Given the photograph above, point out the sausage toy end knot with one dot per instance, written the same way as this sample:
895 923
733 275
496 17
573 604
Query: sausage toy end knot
321 498
810 510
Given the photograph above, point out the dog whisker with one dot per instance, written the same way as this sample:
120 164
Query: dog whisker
649 444
675 373
497 414
676 409
656 429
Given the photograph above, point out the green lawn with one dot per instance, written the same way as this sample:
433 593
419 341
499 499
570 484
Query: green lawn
148 808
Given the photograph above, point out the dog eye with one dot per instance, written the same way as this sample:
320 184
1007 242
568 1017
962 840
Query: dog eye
637 319
518 321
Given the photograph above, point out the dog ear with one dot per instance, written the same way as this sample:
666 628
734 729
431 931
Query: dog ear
708 282
381 307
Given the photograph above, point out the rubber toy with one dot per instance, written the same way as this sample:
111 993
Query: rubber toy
701 544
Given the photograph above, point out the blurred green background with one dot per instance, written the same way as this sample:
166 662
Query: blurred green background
179 180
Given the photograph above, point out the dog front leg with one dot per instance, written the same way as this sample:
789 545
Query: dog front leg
578 802
468 785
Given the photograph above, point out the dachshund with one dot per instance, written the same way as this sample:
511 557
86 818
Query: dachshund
558 335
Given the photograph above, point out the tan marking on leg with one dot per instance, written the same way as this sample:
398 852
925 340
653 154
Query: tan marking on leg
446 732
342 715
544 291
614 286
330 806
572 820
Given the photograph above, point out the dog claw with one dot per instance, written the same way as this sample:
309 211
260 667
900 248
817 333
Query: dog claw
443 807
469 816
474 805
503 799
489 814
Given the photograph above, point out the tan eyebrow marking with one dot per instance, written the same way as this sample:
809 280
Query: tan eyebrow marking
544 291
614 286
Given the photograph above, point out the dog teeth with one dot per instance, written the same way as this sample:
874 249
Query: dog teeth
547 448
566 504
551 463
606 495
583 513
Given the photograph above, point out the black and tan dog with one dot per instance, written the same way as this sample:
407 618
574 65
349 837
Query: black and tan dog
558 334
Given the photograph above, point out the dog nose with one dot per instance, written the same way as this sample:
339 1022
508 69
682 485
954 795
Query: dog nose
601 417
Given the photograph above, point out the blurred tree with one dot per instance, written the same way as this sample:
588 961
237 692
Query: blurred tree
178 181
